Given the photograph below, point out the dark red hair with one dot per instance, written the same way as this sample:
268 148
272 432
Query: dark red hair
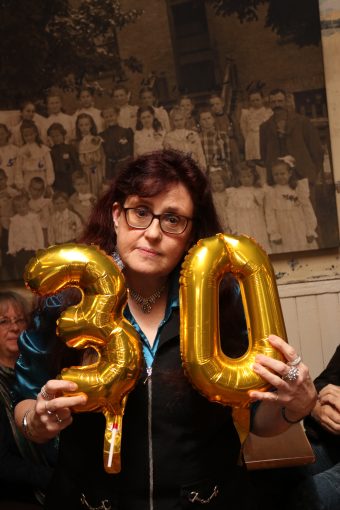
147 176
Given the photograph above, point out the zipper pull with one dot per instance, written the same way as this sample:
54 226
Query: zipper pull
149 373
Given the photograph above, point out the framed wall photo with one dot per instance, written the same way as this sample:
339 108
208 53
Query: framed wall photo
239 87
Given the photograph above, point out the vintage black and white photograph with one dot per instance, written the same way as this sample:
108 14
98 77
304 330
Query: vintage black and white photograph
87 85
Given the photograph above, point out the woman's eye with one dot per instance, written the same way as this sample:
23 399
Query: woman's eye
172 219
141 212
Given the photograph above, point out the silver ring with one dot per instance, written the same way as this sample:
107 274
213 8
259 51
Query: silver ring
45 395
48 411
276 396
59 420
292 375
295 361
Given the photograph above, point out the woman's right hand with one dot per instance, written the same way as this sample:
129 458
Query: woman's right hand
53 411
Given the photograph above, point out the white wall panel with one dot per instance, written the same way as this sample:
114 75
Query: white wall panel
312 316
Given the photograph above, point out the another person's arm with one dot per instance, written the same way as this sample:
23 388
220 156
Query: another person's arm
327 409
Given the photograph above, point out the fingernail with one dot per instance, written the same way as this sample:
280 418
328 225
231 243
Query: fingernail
73 386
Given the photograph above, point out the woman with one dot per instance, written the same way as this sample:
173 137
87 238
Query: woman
178 449
23 474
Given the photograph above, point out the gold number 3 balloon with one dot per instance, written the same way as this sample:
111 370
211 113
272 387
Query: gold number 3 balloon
97 322
216 376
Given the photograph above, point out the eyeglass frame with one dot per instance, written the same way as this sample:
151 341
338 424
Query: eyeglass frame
158 217
6 322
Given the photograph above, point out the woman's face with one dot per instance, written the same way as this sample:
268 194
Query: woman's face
151 252
9 333
84 126
256 100
28 111
146 119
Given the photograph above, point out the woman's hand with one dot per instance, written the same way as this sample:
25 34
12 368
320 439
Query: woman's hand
52 411
295 390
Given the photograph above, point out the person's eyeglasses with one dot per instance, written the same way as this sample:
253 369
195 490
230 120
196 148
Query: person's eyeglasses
5 322
142 217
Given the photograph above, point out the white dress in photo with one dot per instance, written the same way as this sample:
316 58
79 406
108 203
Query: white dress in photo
290 217
8 161
33 161
220 199
147 140
187 141
246 214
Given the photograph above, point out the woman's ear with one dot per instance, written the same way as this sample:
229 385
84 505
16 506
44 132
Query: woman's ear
116 212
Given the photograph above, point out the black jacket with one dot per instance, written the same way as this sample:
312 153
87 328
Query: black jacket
194 444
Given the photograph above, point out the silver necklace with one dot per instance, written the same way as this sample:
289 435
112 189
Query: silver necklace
146 303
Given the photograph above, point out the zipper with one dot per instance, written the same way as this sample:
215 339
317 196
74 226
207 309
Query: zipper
148 380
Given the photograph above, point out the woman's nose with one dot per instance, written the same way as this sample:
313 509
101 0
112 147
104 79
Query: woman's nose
154 229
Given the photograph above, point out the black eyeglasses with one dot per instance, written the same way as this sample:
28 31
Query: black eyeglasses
142 217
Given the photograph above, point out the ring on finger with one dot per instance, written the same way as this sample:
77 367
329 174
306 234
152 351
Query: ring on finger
45 394
49 411
58 419
292 375
294 362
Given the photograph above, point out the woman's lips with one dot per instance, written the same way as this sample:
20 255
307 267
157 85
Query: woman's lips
148 251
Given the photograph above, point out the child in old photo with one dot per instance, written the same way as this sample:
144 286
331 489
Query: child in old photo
117 142
65 158
220 196
185 140
86 105
28 113
149 135
6 212
8 154
65 225
57 116
147 98
215 143
34 159
289 212
91 153
82 201
25 234
246 206
39 204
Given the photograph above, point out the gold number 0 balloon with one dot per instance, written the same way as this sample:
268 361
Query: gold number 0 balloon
96 322
216 376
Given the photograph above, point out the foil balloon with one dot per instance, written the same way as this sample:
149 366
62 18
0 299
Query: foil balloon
97 323
218 377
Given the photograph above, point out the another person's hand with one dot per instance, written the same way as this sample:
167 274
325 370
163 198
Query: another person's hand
53 411
295 390
327 409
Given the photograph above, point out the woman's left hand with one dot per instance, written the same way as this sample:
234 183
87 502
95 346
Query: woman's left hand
294 387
